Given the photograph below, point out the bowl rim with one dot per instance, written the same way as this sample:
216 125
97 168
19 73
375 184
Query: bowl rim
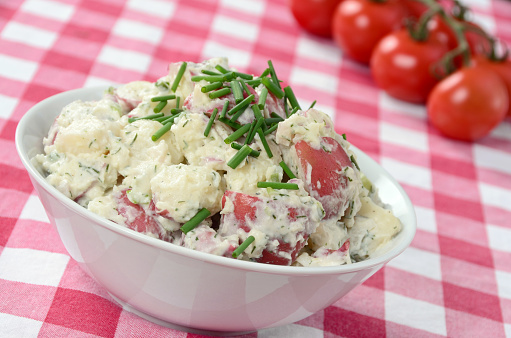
408 231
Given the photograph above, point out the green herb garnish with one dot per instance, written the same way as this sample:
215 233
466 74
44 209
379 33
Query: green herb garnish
243 246
278 185
195 220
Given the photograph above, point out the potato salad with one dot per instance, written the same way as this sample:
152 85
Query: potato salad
222 162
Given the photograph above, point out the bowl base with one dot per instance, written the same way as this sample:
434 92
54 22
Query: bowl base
173 326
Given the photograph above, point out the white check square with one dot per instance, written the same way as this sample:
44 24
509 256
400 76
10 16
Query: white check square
125 59
160 8
504 284
29 35
14 326
407 261
415 313
8 104
49 9
252 7
237 57
17 69
318 50
32 266
236 28
138 31
314 79
411 174
34 210
404 137
499 237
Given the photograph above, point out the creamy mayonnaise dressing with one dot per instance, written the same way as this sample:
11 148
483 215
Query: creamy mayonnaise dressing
102 155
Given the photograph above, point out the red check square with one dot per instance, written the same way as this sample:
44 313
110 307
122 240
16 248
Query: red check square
84 312
351 324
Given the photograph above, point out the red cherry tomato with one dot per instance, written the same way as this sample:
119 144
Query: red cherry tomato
315 16
502 68
358 25
476 42
322 173
414 8
468 104
401 66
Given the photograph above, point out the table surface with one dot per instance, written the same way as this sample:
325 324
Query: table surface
454 280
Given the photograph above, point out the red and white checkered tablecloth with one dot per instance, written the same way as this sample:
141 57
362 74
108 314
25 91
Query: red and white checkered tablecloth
454 280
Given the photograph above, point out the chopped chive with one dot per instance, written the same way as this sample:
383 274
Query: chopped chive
160 132
242 104
251 132
148 117
274 74
237 91
259 123
245 87
272 120
237 134
209 78
221 69
178 101
271 129
210 122
276 116
265 143
344 136
179 75
244 76
134 139
278 185
229 76
254 83
287 170
239 157
211 86
312 104
237 146
209 72
352 158
240 112
161 119
295 109
272 87
163 98
243 246
219 93
291 97
224 109
175 111
228 122
265 73
257 112
166 119
195 220
160 106
258 115
262 98
286 107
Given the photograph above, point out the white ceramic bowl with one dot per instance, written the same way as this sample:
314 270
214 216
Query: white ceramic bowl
181 288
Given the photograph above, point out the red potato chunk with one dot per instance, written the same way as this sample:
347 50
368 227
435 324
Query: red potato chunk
323 174
137 218
286 226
